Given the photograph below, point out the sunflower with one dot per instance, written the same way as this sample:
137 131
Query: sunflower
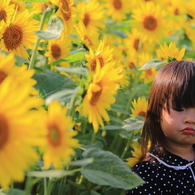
19 34
139 107
148 74
88 39
19 6
59 136
149 19
118 9
58 49
18 135
100 95
102 55
6 11
66 12
8 68
91 13
136 153
170 52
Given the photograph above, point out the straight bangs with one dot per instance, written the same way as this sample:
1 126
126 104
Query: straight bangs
180 90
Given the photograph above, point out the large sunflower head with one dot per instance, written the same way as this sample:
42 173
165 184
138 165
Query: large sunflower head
58 135
18 135
149 19
19 34
170 52
100 95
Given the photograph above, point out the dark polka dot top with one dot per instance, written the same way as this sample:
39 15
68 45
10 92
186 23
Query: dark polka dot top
173 176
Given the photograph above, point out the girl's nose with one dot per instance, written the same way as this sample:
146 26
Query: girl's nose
190 116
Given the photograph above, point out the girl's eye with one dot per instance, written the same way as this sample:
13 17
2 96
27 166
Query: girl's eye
178 109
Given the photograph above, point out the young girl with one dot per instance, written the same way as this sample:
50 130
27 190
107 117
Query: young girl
168 167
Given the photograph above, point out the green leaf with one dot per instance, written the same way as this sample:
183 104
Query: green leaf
49 173
133 123
62 96
111 127
76 57
90 193
152 63
109 169
119 108
13 191
82 162
50 82
79 70
55 27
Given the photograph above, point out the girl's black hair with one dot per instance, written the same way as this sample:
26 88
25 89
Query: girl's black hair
174 85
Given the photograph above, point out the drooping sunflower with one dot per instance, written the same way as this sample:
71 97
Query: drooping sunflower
100 95
89 39
66 12
57 49
139 107
91 13
148 74
18 135
170 52
118 9
19 34
102 55
136 153
6 11
59 136
149 19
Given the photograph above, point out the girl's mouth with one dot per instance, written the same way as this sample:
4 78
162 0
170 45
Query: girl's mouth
188 130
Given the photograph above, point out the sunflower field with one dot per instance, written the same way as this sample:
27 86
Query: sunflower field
75 76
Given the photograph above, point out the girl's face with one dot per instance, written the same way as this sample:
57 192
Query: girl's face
178 125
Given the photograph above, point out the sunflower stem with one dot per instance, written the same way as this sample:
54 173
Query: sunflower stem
32 60
71 110
127 145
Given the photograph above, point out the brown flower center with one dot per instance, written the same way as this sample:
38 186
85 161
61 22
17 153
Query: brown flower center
66 10
55 51
131 65
86 20
2 76
117 4
4 131
149 72
93 65
136 44
150 23
176 12
142 113
95 97
54 135
101 60
3 15
13 37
